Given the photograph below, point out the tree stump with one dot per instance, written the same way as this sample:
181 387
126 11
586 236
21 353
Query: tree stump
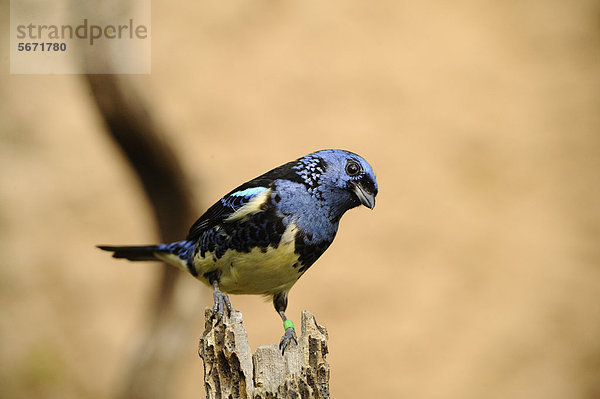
231 371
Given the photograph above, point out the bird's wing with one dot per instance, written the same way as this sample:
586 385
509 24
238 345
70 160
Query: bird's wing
242 201
233 206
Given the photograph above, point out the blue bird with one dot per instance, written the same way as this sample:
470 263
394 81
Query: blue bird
263 236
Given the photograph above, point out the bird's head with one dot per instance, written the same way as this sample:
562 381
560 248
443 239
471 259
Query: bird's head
343 179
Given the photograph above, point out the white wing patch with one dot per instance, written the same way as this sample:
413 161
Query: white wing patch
249 192
253 206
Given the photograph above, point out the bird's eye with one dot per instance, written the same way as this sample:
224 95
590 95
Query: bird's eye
352 168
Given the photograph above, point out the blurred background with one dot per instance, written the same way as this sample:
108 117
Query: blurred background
477 274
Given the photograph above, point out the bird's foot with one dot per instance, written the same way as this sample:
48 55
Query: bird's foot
289 336
221 303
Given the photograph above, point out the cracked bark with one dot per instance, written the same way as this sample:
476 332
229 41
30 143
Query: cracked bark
232 371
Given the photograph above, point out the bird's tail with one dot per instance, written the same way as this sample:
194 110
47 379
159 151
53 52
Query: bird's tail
135 253
176 253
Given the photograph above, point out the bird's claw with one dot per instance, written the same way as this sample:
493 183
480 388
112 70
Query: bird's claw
289 336
221 303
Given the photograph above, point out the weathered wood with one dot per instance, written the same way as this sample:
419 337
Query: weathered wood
231 371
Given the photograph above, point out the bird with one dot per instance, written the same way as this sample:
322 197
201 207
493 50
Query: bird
262 236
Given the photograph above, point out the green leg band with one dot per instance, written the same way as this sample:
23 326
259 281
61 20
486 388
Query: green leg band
288 324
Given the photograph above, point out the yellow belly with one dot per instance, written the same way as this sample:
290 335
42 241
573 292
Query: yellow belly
255 272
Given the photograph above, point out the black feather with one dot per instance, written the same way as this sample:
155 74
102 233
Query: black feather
138 253
223 208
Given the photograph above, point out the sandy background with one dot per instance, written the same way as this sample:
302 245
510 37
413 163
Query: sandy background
476 276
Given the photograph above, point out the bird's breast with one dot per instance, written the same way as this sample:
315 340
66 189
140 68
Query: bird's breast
260 270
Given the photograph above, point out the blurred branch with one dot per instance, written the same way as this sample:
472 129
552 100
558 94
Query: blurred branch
131 125
134 128
231 371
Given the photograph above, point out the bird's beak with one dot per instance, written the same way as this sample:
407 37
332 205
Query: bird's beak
366 198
